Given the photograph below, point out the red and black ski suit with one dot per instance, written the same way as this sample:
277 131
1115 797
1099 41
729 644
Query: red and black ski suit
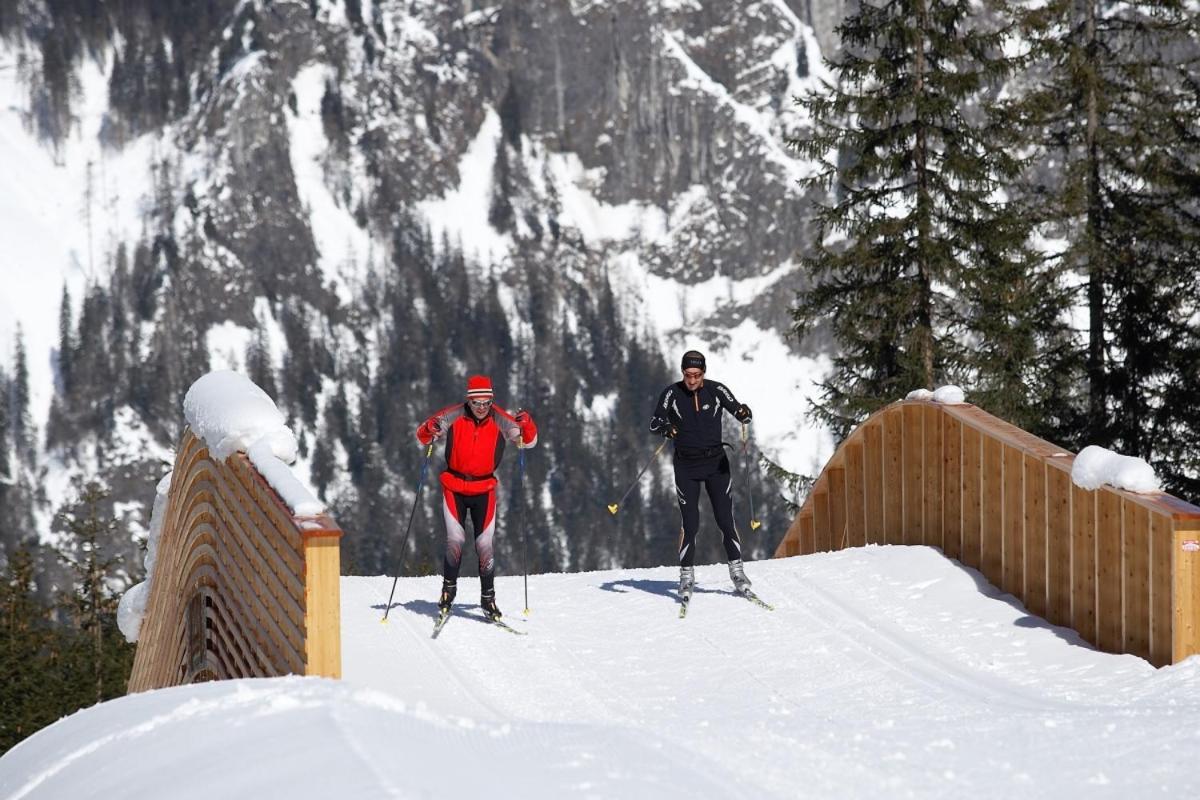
474 448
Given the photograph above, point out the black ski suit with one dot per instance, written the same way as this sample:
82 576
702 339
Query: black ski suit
699 459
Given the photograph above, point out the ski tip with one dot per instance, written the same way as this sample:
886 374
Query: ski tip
755 524
612 508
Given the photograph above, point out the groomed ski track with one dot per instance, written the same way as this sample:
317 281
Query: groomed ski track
882 671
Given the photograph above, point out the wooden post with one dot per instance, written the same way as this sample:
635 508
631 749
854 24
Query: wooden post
323 610
1186 585
912 529
952 477
1035 535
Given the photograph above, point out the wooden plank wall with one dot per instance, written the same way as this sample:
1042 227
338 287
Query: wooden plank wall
1122 569
241 586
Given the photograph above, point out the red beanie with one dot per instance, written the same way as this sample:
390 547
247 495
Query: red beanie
479 386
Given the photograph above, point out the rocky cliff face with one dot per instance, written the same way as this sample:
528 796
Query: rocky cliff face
364 202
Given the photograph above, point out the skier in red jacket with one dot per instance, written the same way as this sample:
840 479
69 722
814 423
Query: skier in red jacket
476 432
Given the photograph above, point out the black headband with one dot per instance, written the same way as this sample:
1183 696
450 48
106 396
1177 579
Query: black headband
694 362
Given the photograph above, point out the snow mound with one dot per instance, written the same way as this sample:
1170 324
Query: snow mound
1096 466
949 395
231 413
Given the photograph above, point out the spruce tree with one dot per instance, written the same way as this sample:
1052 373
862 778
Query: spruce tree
24 434
100 662
29 692
916 223
1117 115
66 346
6 470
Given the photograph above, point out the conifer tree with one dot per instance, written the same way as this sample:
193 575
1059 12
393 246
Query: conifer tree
1117 113
66 346
28 692
5 432
916 223
103 660
24 435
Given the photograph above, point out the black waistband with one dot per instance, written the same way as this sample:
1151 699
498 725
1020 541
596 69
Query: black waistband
464 476
698 453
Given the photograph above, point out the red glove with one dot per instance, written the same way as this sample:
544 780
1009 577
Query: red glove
432 429
528 429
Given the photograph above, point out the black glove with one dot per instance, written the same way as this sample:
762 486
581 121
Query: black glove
670 432
742 414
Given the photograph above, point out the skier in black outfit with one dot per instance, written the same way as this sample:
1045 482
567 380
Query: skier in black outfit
689 412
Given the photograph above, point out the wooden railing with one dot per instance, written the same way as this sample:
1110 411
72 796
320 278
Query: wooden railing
1121 568
241 587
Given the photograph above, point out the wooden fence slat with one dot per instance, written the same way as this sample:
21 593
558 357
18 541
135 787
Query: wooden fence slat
824 535
952 475
1083 563
808 540
934 466
1161 617
1135 554
873 480
1013 526
893 483
837 508
912 528
1109 572
991 541
855 520
1058 546
972 497
1035 536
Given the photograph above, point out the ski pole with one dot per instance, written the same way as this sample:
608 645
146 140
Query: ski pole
612 507
754 523
521 522
408 530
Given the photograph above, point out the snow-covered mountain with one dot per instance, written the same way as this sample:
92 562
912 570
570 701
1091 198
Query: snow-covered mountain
360 203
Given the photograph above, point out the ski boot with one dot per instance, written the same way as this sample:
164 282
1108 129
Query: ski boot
487 602
687 580
737 574
449 589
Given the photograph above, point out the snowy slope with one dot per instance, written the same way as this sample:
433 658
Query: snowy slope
884 671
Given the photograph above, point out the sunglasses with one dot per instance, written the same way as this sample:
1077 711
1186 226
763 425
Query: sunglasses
480 404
